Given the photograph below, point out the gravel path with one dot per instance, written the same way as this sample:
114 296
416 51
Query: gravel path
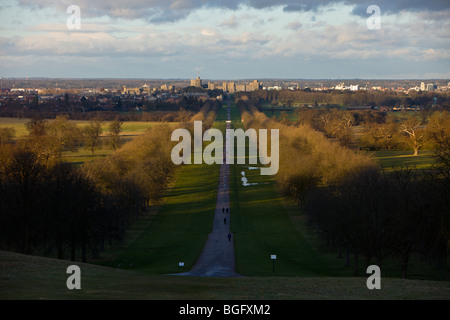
217 258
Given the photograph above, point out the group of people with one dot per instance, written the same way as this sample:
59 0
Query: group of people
226 210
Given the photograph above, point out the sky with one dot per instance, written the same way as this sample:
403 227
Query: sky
226 39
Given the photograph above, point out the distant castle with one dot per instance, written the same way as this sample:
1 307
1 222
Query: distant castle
145 89
228 86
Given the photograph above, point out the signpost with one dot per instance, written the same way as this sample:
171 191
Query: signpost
273 257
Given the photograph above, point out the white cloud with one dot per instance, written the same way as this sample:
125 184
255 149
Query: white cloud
295 25
245 36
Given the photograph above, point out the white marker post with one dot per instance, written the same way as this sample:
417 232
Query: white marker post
273 257
181 264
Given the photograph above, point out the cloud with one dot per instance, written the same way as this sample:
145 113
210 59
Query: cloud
159 11
232 22
295 25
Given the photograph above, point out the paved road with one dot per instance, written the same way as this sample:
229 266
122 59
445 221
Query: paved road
217 258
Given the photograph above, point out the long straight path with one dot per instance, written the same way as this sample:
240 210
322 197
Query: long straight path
217 258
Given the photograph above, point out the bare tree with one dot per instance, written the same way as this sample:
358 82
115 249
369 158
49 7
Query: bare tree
92 134
115 128
415 133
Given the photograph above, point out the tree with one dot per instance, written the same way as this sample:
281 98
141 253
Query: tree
92 134
115 128
183 115
67 133
44 145
21 197
284 119
438 132
66 100
412 127
7 135
36 127
389 132
408 212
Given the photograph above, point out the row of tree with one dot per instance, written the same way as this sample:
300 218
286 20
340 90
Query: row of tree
47 209
376 215
52 207
374 130
411 133
298 98
358 209
49 139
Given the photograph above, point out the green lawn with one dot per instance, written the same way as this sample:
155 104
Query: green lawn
83 155
396 158
264 224
291 116
31 277
178 232
128 127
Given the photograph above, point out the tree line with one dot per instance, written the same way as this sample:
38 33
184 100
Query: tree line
373 130
338 98
56 208
357 208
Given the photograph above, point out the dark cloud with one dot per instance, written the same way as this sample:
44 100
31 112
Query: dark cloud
159 11
391 7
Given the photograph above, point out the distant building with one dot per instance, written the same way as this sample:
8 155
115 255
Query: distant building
255 85
422 86
166 87
145 89
211 85
229 87
430 87
196 82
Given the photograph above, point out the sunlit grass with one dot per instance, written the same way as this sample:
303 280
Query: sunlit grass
128 127
389 159
29 277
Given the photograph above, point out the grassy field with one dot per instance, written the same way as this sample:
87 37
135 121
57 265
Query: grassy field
263 223
130 129
291 116
396 158
31 277
263 226
179 231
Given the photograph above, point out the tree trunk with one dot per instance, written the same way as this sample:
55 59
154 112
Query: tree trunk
448 258
416 151
347 259
405 259
83 251
26 241
60 251
355 268
368 258
72 250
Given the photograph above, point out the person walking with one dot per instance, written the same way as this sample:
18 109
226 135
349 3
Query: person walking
225 220
229 237
227 210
